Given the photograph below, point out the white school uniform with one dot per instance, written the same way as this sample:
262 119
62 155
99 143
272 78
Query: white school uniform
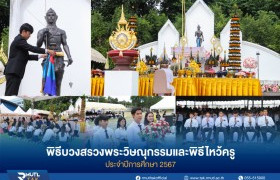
48 135
133 135
4 125
247 124
262 121
95 129
13 129
37 132
60 123
188 123
210 122
77 127
20 129
121 134
232 122
198 118
29 128
224 122
101 141
64 138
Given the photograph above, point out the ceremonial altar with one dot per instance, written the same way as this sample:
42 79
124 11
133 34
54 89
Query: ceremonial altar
197 71
194 86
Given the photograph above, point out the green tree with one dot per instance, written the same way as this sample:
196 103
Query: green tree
57 104
4 14
99 30
138 7
262 29
220 19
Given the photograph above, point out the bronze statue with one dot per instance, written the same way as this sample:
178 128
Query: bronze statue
53 38
199 35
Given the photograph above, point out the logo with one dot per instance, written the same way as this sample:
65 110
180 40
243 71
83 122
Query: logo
240 178
29 176
137 178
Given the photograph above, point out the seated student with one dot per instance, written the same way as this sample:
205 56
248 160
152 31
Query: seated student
207 126
235 124
49 135
199 120
63 137
29 130
4 126
179 123
13 129
191 125
121 133
76 128
267 124
1 129
105 136
20 129
250 126
37 133
221 125
258 129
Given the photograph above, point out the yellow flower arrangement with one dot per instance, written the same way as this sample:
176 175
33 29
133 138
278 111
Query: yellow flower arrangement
141 67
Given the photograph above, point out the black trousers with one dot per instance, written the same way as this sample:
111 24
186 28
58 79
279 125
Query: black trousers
179 127
250 129
233 130
269 129
223 130
12 85
203 132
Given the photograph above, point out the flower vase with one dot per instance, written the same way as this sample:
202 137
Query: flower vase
194 74
250 75
181 73
188 73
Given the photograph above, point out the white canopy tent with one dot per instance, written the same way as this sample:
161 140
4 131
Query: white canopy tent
4 110
104 106
69 111
97 56
18 110
29 111
38 111
167 103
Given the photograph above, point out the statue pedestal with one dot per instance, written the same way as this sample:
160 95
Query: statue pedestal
122 59
121 83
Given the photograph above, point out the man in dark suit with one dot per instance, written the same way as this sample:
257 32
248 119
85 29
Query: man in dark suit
18 58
